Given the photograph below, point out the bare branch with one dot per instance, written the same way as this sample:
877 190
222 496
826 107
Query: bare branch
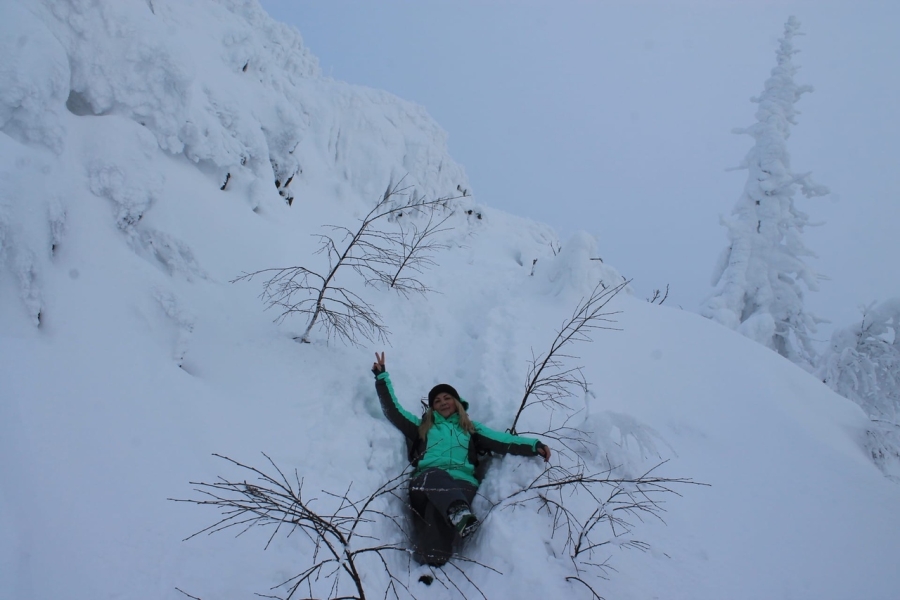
417 247
335 529
377 255
278 503
549 382
658 295
616 504
585 584
186 594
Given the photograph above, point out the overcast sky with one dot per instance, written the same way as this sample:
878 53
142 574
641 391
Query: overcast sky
616 118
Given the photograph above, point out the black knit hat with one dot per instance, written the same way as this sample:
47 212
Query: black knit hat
441 388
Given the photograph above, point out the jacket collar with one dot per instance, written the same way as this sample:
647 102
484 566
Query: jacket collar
439 418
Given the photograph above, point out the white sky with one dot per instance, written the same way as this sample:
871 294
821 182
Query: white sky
616 118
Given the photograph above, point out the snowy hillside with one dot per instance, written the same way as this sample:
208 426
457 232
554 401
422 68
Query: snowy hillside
153 151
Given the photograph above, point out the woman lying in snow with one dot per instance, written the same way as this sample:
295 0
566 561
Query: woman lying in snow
443 447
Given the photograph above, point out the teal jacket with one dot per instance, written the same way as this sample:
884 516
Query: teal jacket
448 446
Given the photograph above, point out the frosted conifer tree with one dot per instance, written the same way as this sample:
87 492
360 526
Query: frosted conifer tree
863 361
758 277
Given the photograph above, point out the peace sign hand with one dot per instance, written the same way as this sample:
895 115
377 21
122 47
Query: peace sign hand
378 365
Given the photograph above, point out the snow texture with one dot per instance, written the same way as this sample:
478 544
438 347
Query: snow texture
154 150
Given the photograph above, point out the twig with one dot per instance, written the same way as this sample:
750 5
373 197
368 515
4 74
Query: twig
585 584
656 296
186 594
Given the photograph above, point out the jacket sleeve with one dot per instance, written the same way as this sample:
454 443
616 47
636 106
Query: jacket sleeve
504 443
399 417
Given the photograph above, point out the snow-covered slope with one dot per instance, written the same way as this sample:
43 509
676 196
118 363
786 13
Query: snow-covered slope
127 358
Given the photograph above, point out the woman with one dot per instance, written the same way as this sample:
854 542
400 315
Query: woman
443 447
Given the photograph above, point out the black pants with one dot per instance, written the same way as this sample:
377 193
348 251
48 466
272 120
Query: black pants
431 493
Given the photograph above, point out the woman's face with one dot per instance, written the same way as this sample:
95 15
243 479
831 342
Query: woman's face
445 404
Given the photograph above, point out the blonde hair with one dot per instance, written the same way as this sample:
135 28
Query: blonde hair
464 421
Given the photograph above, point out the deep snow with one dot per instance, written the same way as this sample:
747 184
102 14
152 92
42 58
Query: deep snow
120 121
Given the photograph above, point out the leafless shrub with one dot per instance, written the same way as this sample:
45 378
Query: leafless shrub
278 502
343 547
616 503
550 381
394 258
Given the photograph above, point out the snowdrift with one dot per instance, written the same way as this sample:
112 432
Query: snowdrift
147 148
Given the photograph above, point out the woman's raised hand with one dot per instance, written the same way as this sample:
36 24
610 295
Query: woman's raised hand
378 365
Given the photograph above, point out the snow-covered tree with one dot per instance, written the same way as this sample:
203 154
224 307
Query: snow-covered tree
863 361
758 277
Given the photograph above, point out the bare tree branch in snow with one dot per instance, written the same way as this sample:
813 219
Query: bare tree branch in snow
550 381
377 254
